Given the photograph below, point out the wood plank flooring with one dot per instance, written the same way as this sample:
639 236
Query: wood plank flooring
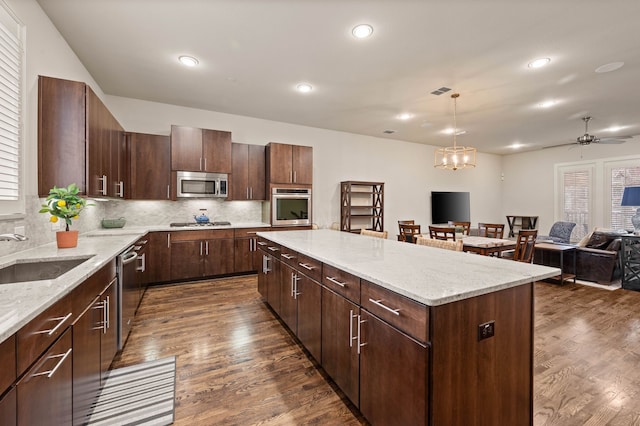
237 364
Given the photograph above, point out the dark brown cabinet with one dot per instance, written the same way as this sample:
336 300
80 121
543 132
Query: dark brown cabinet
44 393
159 257
198 254
200 150
309 297
289 163
150 166
61 134
269 281
247 172
109 337
245 249
8 409
340 353
288 297
393 375
79 140
86 360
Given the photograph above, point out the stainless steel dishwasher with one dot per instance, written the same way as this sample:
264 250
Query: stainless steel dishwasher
128 292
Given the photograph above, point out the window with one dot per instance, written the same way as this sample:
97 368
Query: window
11 76
576 197
621 174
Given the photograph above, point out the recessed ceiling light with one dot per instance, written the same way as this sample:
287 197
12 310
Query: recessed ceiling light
609 67
404 116
189 61
304 87
449 131
546 104
516 145
538 63
362 31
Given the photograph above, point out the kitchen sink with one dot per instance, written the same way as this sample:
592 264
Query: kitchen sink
37 270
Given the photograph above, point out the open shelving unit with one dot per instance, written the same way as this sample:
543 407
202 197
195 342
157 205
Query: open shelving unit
361 206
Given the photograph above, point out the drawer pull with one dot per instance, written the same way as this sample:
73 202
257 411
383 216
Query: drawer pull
307 267
54 329
333 280
287 256
272 248
378 303
262 243
50 373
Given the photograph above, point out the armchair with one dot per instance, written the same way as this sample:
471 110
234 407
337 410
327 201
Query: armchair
598 261
560 232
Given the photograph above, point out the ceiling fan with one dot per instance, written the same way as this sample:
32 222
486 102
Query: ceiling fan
588 139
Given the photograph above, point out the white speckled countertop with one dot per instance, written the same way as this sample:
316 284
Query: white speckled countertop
428 275
21 302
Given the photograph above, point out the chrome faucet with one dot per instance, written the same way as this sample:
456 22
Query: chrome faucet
12 237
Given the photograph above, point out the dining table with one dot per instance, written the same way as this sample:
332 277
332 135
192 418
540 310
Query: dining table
486 246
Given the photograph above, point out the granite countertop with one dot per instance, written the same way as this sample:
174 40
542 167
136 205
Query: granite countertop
21 302
428 275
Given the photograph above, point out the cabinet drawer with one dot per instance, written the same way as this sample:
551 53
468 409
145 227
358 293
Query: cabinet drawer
40 332
248 232
289 256
7 363
403 313
210 234
310 267
341 282
84 294
270 247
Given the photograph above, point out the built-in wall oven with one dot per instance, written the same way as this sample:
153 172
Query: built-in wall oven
291 206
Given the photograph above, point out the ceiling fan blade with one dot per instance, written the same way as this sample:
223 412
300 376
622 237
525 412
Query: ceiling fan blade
609 141
562 144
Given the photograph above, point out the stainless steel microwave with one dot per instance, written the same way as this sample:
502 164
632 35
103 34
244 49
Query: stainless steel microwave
290 207
202 185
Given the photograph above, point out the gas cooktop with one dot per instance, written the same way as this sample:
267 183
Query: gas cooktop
220 223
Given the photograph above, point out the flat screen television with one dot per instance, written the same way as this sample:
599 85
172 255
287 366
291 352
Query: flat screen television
446 206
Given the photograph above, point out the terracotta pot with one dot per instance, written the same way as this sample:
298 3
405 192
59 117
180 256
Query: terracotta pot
67 239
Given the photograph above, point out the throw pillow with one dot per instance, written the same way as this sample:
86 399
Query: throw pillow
598 240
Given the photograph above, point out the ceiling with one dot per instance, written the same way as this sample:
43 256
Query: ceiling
253 53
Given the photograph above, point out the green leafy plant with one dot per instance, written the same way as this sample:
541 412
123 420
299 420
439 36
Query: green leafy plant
64 203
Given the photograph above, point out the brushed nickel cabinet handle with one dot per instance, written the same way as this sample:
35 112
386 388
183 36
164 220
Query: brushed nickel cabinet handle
51 372
335 281
307 267
60 320
378 303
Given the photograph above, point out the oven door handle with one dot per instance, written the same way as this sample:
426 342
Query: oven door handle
129 257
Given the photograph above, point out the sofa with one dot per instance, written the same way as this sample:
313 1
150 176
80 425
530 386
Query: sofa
597 258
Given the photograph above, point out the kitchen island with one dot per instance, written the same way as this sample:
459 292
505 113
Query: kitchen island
411 334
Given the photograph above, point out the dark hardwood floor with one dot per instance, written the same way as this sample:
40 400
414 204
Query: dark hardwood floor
236 364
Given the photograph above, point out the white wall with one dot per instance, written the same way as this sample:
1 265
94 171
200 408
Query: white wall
528 187
405 168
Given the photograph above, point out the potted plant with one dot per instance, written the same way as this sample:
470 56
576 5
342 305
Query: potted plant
66 204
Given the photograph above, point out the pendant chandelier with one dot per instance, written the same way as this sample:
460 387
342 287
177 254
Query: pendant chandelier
455 157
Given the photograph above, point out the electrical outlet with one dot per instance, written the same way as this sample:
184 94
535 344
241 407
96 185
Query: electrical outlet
19 230
486 330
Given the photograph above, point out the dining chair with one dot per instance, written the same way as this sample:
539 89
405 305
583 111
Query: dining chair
442 244
442 232
525 245
409 232
491 230
376 234
404 222
466 226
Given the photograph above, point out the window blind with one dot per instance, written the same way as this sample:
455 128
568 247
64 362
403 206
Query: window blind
621 177
576 200
10 105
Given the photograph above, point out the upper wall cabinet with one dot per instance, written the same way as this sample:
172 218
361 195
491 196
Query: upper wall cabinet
79 140
150 166
247 172
289 163
61 134
200 150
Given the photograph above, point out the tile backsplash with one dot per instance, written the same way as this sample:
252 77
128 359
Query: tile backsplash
137 213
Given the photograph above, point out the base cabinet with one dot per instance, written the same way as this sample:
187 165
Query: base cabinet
45 391
198 254
340 353
159 257
8 409
109 337
393 375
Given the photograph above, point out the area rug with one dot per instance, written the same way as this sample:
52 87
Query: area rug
141 394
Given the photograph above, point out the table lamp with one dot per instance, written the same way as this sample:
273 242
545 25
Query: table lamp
631 197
